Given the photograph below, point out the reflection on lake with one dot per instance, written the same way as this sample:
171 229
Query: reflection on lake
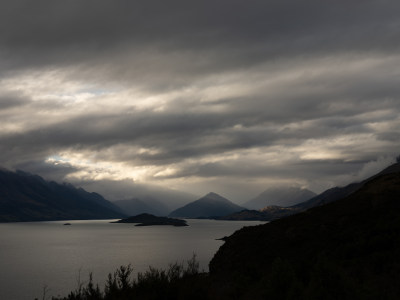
38 254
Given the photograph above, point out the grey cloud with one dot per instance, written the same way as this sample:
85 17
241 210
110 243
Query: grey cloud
184 131
390 136
310 70
11 101
175 136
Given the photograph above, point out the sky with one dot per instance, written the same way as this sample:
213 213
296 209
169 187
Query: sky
197 96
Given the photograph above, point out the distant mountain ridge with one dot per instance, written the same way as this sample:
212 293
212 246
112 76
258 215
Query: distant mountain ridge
28 197
164 200
211 205
337 193
333 194
281 196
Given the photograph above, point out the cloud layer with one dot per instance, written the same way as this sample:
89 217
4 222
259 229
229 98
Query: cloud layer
229 96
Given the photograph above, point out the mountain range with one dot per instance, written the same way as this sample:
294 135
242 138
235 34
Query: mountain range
282 196
27 197
163 200
333 194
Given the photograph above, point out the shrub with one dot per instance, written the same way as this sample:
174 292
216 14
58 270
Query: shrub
151 284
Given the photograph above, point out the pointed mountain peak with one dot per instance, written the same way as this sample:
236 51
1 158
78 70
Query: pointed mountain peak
212 194
211 205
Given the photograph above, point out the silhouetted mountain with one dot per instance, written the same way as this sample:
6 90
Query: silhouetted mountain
27 197
211 205
149 220
337 193
280 196
136 206
328 196
347 249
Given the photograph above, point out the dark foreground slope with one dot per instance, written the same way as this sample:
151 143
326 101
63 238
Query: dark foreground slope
348 249
27 197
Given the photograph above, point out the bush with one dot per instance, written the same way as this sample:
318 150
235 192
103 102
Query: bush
154 283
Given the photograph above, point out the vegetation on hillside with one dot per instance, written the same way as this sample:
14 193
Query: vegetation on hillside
177 282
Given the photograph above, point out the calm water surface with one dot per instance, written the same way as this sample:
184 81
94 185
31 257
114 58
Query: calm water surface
38 254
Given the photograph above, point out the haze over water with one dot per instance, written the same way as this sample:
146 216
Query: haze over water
34 255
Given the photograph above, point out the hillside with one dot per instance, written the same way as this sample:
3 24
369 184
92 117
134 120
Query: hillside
330 195
348 249
211 205
337 193
280 196
27 197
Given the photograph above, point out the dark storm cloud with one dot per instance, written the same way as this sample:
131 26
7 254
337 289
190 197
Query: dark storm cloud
219 35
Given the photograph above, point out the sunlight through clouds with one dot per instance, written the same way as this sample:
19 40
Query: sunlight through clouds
199 100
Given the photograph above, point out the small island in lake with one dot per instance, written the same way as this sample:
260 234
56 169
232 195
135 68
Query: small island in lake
148 220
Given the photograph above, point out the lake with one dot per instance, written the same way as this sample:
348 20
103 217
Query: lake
38 254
